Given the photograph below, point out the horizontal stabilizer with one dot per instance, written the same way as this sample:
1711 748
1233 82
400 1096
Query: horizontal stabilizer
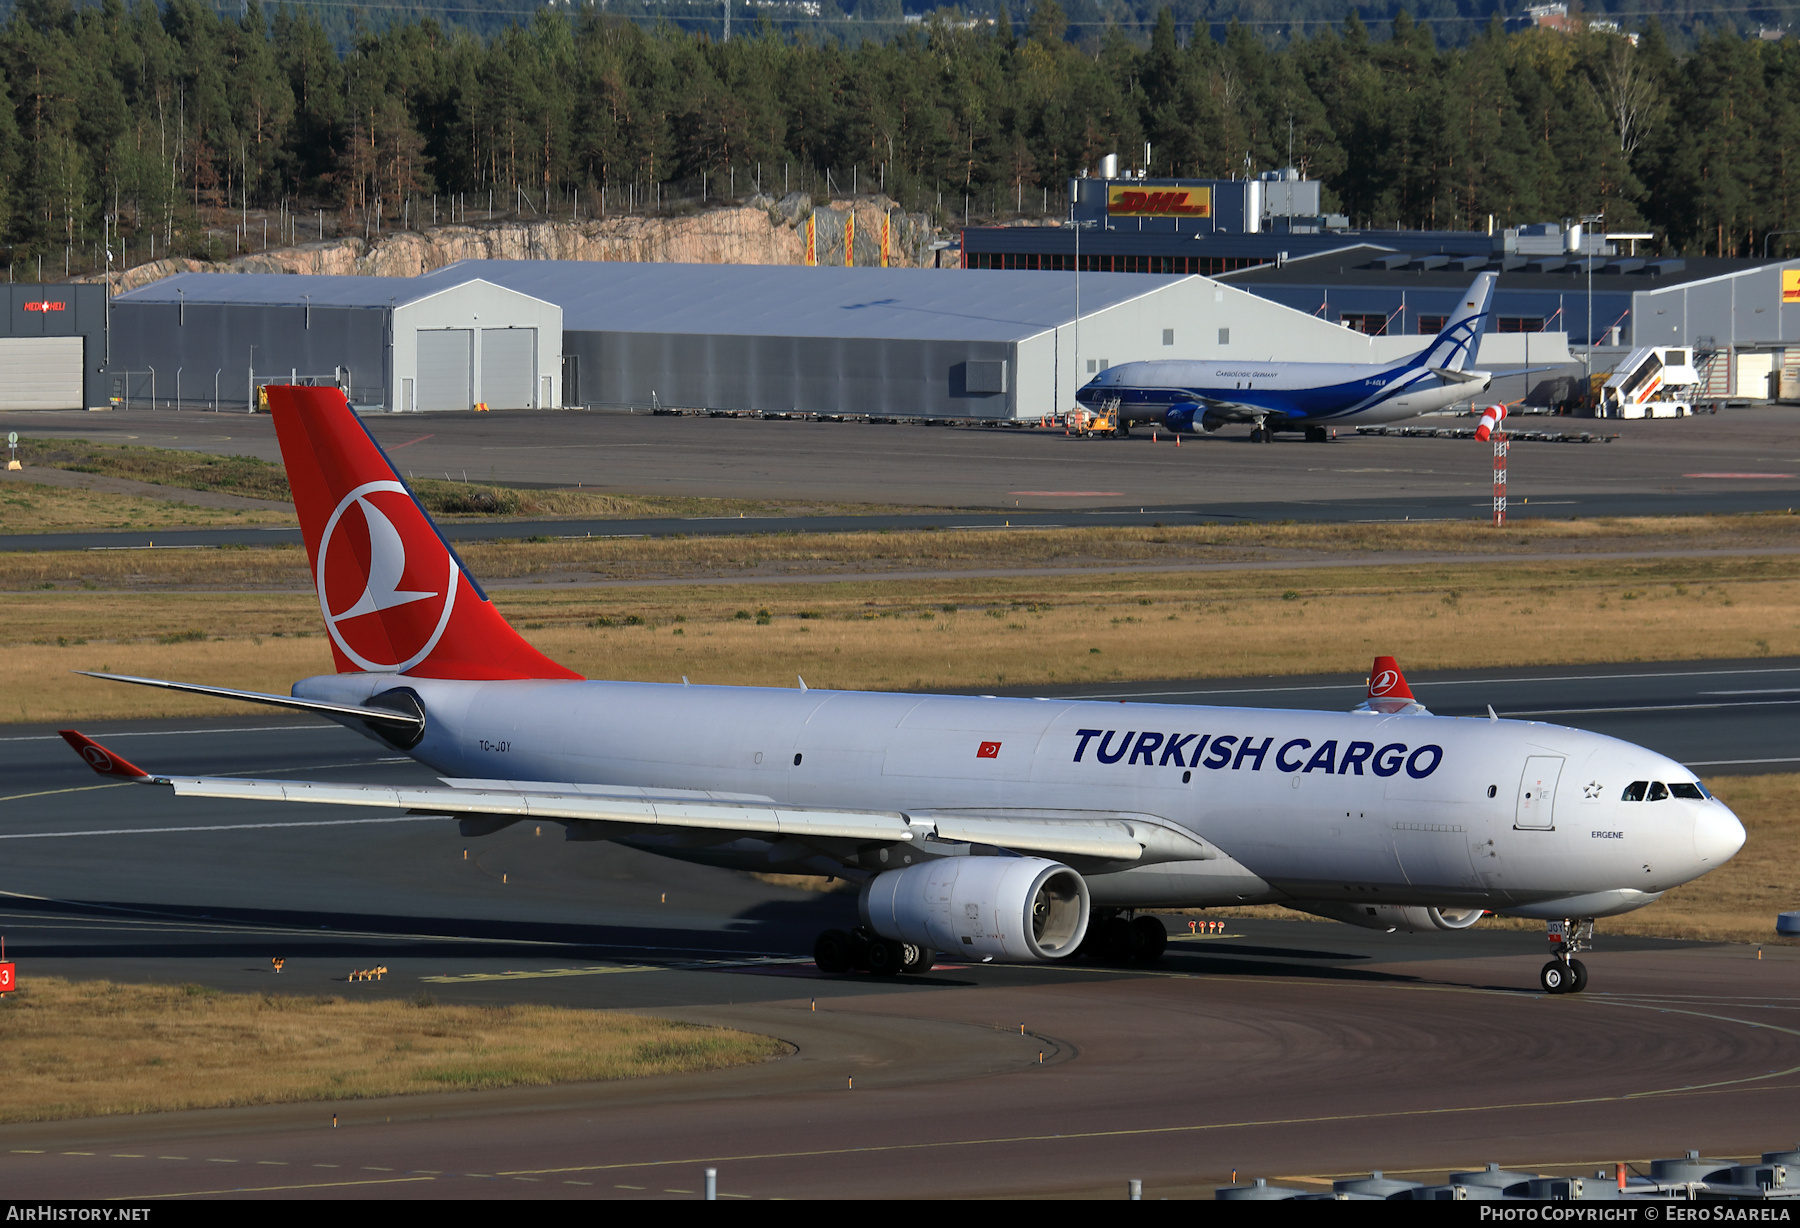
1463 377
406 724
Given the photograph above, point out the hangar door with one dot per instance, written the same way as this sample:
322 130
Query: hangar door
508 367
446 368
41 372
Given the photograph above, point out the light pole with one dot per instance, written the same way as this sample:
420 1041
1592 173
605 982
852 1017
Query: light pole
1589 220
1079 225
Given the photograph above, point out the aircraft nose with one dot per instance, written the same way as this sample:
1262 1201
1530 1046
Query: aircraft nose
1717 834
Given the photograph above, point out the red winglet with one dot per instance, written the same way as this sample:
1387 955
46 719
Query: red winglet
102 760
1386 681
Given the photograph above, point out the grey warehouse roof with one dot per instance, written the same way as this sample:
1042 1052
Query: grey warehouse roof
759 300
715 299
287 290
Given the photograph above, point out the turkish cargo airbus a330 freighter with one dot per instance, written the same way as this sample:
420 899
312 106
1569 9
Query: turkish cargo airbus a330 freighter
1009 829
1313 397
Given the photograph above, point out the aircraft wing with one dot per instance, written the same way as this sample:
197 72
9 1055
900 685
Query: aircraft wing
1090 837
1237 411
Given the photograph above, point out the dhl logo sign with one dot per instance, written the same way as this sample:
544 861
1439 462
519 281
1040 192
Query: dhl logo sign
46 305
1159 202
1790 286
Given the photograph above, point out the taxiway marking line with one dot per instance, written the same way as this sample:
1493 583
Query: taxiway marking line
275 1189
1741 703
1358 686
173 733
19 797
1141 1132
1714 1088
158 831
460 978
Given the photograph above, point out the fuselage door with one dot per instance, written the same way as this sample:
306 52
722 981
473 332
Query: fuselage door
1537 793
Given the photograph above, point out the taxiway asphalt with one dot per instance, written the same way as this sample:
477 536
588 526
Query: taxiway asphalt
1737 461
1283 1049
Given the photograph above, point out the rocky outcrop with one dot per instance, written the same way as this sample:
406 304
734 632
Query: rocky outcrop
762 231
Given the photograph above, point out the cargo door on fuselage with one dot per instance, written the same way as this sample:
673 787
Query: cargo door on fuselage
1536 810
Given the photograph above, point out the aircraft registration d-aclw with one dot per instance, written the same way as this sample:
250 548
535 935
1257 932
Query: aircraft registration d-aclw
1187 396
982 828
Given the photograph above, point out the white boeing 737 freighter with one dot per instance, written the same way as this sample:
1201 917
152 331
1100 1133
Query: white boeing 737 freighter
1313 397
982 828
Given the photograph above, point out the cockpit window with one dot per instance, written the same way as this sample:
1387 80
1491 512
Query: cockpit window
1634 792
1693 792
1659 792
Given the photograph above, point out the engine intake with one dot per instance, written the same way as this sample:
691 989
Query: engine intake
1414 918
1012 908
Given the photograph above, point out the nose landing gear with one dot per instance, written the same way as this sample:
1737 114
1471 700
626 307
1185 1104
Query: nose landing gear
1564 973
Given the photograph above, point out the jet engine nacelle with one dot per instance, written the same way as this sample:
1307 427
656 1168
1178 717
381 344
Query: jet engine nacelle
1413 918
1182 418
1011 908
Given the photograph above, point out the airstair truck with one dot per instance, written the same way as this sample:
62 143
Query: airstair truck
1653 382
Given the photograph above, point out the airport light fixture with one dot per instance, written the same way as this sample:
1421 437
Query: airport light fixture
1589 220
1080 225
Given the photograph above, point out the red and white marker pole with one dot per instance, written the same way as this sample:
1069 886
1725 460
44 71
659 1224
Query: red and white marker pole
1491 428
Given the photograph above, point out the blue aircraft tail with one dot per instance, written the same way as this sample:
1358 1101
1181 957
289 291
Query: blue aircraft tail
1454 348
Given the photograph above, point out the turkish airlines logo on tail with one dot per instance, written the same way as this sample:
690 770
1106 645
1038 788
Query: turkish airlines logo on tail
98 759
383 618
1384 682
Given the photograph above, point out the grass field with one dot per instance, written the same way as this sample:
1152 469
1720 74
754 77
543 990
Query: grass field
27 507
33 507
84 1049
951 632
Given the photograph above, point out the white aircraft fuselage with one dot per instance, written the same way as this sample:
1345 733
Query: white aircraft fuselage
1203 394
1363 808
1196 395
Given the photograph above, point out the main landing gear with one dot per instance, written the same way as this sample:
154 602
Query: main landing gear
1112 938
862 950
1564 973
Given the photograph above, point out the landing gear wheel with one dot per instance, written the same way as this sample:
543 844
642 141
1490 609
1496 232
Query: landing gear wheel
1148 938
884 957
834 951
1258 435
1578 979
916 959
1556 977
1114 942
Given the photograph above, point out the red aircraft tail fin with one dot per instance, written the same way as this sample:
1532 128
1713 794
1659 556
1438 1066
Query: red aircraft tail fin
1386 681
395 597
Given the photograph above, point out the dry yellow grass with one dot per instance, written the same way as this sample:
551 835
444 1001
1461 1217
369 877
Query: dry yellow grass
84 1049
63 507
865 553
33 507
953 632
1735 903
